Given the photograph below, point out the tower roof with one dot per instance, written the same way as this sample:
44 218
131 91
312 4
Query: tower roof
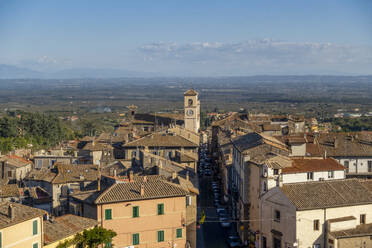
191 92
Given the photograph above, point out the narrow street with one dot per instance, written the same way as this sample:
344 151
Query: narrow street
210 234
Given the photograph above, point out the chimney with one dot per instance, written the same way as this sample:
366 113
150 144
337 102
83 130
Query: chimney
174 175
187 176
325 154
142 190
11 212
114 173
131 177
145 179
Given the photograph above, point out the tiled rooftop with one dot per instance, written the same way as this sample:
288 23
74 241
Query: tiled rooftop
65 226
21 213
131 191
327 194
163 140
312 165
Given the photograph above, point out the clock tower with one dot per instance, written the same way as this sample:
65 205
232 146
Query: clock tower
192 110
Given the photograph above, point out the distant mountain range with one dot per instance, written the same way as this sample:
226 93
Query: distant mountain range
15 72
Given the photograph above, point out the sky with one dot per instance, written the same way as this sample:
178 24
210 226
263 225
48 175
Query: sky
189 38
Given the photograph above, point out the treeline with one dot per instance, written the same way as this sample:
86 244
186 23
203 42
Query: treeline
19 129
353 124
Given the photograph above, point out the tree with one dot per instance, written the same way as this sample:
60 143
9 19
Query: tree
92 238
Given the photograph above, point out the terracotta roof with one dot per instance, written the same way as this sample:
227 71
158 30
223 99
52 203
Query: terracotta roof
163 140
131 191
308 165
359 231
96 146
15 161
190 92
65 226
327 194
346 144
76 173
9 190
65 173
21 213
44 174
271 127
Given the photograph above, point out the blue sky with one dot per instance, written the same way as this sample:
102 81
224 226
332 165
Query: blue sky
195 38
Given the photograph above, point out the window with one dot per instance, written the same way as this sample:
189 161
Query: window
264 242
135 239
188 200
276 172
108 214
135 212
277 216
160 236
160 209
9 173
190 102
34 227
1 239
134 154
316 246
369 166
362 219
316 225
169 154
108 245
179 233
264 187
331 174
310 176
36 245
346 164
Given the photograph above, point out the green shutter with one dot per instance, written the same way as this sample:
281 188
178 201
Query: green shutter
36 245
1 239
34 227
160 236
135 212
108 245
135 238
108 214
179 233
160 209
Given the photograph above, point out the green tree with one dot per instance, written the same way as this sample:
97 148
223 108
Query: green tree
94 237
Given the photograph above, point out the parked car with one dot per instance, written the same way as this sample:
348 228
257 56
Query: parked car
224 222
234 241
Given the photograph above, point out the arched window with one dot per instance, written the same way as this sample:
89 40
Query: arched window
190 102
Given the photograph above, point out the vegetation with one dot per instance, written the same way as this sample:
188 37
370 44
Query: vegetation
352 124
19 129
90 239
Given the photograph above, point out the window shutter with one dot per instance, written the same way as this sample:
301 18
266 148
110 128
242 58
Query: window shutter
34 227
179 233
1 239
108 214
135 211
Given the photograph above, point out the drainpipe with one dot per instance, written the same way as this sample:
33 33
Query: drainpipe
325 229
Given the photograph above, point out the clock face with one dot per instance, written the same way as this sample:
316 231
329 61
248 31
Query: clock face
190 112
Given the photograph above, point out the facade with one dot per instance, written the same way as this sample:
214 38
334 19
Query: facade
48 161
249 153
316 214
61 181
162 144
14 168
20 226
192 111
145 211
